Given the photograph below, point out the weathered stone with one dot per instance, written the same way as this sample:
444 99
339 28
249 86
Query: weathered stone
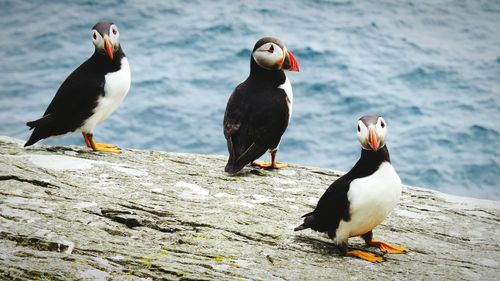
70 213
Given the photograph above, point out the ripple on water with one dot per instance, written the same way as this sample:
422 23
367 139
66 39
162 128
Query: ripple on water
436 84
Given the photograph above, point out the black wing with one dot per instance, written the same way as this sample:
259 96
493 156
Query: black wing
254 122
72 105
332 207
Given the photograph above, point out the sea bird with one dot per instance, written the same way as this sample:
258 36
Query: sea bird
360 200
259 109
90 93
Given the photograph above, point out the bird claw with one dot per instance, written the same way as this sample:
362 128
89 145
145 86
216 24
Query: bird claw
107 145
261 164
104 147
365 256
388 248
268 165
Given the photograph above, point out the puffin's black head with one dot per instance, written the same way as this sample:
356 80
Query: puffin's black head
270 53
372 131
106 38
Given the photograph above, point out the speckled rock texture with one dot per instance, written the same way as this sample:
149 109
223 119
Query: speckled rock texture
69 213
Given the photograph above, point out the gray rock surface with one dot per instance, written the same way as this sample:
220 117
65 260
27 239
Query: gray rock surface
70 213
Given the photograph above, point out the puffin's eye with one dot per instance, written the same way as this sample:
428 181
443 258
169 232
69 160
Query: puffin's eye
359 129
94 36
271 49
114 31
382 124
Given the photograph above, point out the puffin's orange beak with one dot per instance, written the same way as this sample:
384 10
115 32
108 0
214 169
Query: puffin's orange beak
290 63
373 139
107 47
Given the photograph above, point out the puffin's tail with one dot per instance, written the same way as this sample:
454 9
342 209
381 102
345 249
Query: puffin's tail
253 152
35 136
39 132
308 222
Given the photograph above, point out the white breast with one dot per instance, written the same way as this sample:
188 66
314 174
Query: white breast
116 87
371 200
287 87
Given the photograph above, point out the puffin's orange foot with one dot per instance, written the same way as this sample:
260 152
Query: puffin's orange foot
268 165
279 165
365 256
261 164
104 147
388 248
107 145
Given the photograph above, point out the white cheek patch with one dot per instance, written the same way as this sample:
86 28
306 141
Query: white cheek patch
382 131
363 135
98 41
114 37
268 59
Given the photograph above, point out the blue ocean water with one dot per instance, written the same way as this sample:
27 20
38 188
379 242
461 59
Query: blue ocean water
431 68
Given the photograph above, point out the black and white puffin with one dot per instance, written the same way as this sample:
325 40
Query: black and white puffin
360 200
259 109
90 93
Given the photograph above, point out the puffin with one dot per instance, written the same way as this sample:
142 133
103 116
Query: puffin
259 109
361 199
89 94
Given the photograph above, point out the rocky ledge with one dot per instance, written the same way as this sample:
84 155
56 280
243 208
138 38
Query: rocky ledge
70 213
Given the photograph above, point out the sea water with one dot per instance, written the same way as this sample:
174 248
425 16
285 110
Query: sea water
430 68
